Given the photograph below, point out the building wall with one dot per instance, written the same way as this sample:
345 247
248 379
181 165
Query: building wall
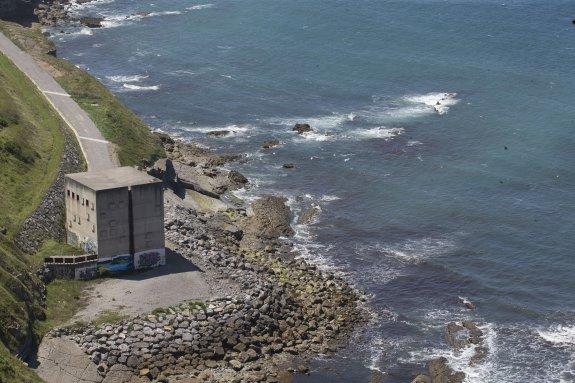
112 206
148 225
81 222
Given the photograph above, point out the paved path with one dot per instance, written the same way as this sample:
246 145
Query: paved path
97 151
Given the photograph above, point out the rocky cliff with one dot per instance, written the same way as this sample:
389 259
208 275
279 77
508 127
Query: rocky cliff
21 11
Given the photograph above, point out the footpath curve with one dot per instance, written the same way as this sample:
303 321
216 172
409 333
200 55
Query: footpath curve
97 151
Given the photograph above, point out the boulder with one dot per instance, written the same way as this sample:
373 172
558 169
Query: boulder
237 179
302 128
421 378
92 22
308 215
440 372
270 143
270 220
218 133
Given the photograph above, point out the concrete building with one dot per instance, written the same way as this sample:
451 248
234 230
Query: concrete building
117 214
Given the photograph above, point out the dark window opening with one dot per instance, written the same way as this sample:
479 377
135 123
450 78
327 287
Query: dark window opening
73 195
68 192
87 202
77 197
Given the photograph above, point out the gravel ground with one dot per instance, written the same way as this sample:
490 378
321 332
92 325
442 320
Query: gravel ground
178 281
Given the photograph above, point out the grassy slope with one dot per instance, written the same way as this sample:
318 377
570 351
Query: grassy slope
31 145
133 139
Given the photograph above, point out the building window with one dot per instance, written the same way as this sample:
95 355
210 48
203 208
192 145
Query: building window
68 192
83 201
77 197
87 202
93 228
79 221
88 217
73 195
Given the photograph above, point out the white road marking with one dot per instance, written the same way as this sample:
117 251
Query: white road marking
56 93
94 139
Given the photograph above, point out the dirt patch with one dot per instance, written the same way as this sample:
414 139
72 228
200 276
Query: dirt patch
178 281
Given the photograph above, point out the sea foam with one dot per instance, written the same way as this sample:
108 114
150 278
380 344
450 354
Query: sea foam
133 87
128 78
559 335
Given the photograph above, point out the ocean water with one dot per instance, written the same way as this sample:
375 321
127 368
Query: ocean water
420 204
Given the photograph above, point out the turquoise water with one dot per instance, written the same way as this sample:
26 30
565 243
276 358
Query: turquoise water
419 208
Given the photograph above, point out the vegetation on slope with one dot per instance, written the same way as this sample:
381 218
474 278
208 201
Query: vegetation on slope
134 142
31 145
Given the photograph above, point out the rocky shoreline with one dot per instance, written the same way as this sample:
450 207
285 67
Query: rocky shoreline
284 312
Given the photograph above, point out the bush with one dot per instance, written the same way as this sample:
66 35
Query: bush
22 153
8 117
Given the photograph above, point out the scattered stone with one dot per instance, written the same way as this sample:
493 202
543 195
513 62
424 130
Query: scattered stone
288 166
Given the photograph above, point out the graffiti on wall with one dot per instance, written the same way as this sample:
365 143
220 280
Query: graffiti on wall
115 265
149 259
85 273
89 246
72 238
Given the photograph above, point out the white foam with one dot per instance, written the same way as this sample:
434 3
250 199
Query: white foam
234 129
378 132
559 335
317 123
329 198
200 6
164 13
416 251
436 101
128 78
317 136
133 87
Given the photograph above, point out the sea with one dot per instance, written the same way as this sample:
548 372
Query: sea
441 163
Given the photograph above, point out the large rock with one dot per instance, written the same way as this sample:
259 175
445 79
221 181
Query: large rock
270 220
211 182
440 372
92 22
270 143
302 128
218 133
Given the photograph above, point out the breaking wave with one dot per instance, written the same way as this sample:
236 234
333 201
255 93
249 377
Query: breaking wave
129 78
200 6
132 87
559 335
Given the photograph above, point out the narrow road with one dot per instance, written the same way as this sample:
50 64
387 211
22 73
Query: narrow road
97 151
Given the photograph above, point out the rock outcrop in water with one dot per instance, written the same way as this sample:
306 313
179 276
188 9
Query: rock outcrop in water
302 128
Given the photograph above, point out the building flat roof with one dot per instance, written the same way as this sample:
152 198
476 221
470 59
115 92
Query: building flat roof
113 178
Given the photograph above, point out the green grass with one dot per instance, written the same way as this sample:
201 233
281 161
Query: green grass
13 370
133 140
64 298
31 146
108 316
